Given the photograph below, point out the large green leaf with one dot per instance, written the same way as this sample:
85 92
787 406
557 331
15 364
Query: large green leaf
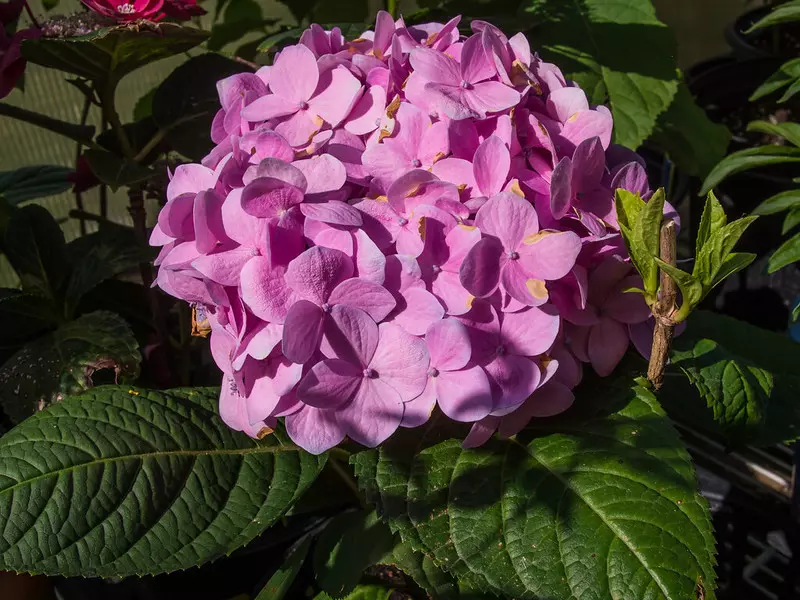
282 579
786 254
116 171
423 571
779 202
65 362
362 592
784 13
34 245
604 508
751 158
349 544
788 131
787 75
122 481
112 52
690 139
746 378
185 103
621 44
37 181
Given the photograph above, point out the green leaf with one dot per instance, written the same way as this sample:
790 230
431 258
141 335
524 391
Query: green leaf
277 40
716 250
66 361
602 508
690 139
790 92
779 202
788 73
144 106
23 316
241 18
112 52
788 253
423 571
751 158
622 42
646 239
100 256
362 592
123 481
783 13
712 220
791 221
116 171
49 4
34 245
691 289
630 208
349 544
37 181
746 377
186 101
733 263
788 131
281 581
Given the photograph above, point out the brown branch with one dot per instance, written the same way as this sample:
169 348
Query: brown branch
663 310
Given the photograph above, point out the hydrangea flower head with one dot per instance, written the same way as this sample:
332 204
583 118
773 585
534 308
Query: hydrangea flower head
410 220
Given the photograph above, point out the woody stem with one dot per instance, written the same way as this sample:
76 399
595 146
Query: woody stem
663 310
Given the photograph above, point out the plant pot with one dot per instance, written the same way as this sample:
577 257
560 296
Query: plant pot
782 41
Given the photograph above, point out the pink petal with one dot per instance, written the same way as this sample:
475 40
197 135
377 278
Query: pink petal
516 282
402 273
269 107
350 334
232 405
550 256
324 173
240 226
316 272
224 267
385 163
329 384
448 288
294 75
367 112
565 102
458 172
627 307
481 432
264 290
434 145
608 342
190 179
530 332
265 143
269 198
464 395
448 345
401 361
314 430
175 219
589 163
302 331
588 124
513 380
417 308
261 400
299 128
509 218
334 212
453 101
605 279
339 93
380 222
370 261
330 236
641 334
570 371
491 96
491 164
370 297
435 66
561 188
286 375
480 271
418 411
207 218
475 65
373 415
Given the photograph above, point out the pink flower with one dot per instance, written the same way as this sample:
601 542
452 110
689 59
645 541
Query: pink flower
121 10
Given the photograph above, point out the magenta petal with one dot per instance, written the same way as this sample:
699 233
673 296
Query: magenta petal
420 310
373 415
530 332
608 342
334 212
302 331
264 290
323 173
418 411
509 218
223 267
175 219
481 432
492 96
314 430
550 256
339 93
318 270
561 188
480 271
448 345
351 334
641 334
329 384
588 164
401 360
370 297
464 395
514 379
491 165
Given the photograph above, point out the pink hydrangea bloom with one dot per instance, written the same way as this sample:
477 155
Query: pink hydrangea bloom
410 220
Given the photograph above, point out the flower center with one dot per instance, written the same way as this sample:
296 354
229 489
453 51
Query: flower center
369 373
513 255
402 221
501 350
436 269
126 9
466 84
303 106
378 122
416 163
326 307
433 372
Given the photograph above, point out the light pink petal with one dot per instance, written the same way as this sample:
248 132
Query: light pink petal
287 375
302 331
381 222
374 414
370 297
370 262
608 342
299 128
448 345
411 125
565 102
458 172
588 124
435 66
270 198
522 49
481 432
448 288
175 219
384 30
334 212
475 65
509 218
181 256
530 332
513 380
491 96
339 92
434 145
322 234
491 164
315 273
418 411
265 143
190 179
460 240
561 188
264 290
232 405
520 286
324 173
366 115
269 107
464 395
401 360
453 101
480 271
224 267
550 256
417 309
329 384
350 334
407 186
184 287
314 430
294 75
240 226
385 163
207 218
261 400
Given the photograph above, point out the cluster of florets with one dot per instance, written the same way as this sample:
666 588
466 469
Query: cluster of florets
405 220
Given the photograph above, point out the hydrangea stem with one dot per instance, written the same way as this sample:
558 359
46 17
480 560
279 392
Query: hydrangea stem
391 8
663 310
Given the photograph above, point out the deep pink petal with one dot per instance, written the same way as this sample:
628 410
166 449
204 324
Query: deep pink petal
475 65
448 345
370 297
588 164
329 384
401 360
207 219
530 332
270 198
350 334
302 331
380 222
334 212
373 415
509 218
561 192
565 102
627 307
316 272
605 279
608 342
491 164
294 75
480 271
550 255
513 379
314 430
